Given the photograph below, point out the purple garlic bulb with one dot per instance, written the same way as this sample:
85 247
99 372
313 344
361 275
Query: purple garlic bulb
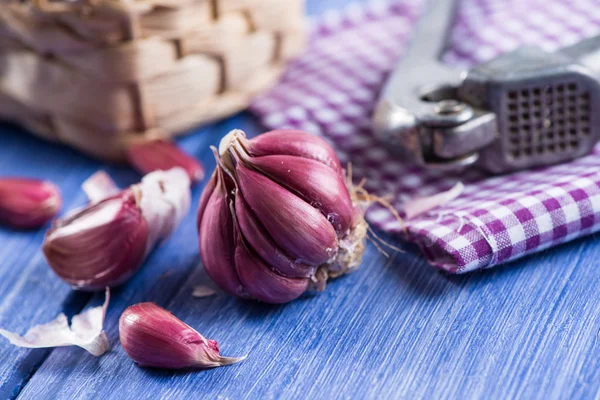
277 217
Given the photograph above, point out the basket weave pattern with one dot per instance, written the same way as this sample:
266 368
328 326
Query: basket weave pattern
99 74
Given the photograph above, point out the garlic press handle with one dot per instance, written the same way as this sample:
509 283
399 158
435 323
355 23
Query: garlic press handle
403 101
419 112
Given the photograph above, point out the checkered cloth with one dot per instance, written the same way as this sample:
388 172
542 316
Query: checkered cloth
330 91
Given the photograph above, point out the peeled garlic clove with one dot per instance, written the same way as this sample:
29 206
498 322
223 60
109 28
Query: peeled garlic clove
161 155
153 337
107 241
300 229
293 143
217 241
28 203
100 246
262 243
260 282
315 182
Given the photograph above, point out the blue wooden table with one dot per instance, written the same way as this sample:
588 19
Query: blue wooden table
394 329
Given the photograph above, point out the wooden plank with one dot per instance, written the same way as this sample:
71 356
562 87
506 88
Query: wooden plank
391 331
395 328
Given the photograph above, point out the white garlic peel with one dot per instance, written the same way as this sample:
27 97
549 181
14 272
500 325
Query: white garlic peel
201 291
99 186
165 200
86 331
422 205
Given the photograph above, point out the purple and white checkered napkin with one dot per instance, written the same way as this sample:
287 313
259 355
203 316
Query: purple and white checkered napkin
331 90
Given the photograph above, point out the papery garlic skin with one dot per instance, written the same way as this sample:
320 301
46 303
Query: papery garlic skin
153 337
415 207
162 155
86 331
99 186
106 242
28 203
282 203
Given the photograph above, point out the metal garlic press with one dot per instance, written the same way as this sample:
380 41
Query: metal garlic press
524 109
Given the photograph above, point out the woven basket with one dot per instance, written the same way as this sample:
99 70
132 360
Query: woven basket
99 74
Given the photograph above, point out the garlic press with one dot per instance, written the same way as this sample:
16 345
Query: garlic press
527 108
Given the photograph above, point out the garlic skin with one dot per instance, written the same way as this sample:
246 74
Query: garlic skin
99 186
106 242
28 203
278 217
153 337
86 331
415 207
162 155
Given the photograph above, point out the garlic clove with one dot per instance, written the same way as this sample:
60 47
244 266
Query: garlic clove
217 241
262 243
316 183
297 227
100 246
28 203
153 337
293 143
262 283
161 155
107 241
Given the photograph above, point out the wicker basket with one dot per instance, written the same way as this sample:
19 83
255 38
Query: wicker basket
99 74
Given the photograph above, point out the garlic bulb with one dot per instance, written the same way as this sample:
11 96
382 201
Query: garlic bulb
107 241
277 217
28 203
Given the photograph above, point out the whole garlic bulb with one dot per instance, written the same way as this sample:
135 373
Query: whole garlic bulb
277 217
